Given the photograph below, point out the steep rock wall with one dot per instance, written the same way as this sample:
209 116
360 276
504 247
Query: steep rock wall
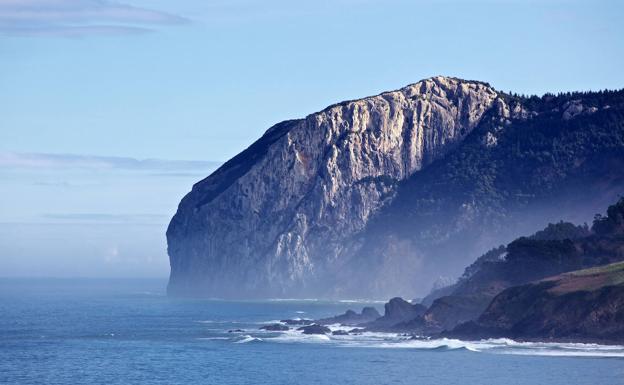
279 218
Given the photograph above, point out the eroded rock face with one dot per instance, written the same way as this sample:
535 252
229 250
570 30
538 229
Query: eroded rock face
280 218
350 317
574 108
397 311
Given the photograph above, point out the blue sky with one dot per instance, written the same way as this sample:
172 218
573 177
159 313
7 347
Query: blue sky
89 84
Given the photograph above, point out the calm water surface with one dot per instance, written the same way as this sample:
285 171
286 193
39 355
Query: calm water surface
129 332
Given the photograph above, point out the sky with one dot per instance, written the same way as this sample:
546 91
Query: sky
111 110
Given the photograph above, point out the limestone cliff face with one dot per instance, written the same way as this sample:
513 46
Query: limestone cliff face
281 218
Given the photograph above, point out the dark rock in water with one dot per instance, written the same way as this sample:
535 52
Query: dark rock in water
350 317
397 311
585 305
357 331
295 322
275 327
236 331
314 329
340 333
370 312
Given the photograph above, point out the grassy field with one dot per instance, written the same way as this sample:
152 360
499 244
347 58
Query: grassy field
589 279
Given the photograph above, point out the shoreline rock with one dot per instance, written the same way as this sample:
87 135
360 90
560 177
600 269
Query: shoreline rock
275 327
351 318
315 329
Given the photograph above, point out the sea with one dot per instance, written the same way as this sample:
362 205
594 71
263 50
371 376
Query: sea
122 331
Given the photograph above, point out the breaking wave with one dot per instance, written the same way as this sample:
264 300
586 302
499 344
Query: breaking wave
492 346
247 338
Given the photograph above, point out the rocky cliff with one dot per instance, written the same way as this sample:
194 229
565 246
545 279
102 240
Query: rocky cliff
275 218
358 200
585 305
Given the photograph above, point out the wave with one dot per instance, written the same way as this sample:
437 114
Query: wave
362 301
298 336
229 322
401 341
247 338
508 346
270 322
491 346
213 338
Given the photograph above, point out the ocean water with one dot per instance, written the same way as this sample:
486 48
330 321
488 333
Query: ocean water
129 332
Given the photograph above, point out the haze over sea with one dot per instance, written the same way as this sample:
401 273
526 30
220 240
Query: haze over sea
122 331
112 110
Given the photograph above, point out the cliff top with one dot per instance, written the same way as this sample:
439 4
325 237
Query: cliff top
410 89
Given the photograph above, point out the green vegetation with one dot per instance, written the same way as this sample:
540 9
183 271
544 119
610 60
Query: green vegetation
540 161
562 230
494 255
614 273
559 248
613 223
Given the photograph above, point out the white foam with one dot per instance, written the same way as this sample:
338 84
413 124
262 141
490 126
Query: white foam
271 322
492 346
294 335
247 338
218 322
213 338
507 346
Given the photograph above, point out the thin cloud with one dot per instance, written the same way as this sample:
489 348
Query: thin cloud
73 31
107 218
179 174
12 160
76 18
65 184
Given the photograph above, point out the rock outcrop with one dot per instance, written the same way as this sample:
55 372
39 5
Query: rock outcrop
314 329
277 219
397 311
376 197
352 318
275 327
